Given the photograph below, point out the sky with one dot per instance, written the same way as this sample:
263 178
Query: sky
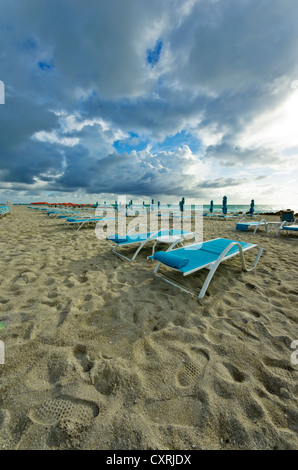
149 99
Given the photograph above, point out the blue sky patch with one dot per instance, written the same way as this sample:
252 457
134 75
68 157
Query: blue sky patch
153 54
133 142
45 66
178 140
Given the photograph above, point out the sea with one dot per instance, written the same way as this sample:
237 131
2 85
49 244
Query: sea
236 208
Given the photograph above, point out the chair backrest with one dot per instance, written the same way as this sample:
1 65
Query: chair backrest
287 216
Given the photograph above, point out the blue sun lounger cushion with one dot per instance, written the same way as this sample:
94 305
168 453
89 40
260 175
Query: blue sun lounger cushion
293 228
242 227
174 261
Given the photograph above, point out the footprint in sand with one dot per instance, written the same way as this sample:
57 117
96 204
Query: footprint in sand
281 368
190 371
81 359
71 415
4 418
236 374
214 336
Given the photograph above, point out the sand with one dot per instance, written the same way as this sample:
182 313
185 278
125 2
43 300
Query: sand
99 354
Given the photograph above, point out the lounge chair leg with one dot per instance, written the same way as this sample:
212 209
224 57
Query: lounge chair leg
255 261
125 257
120 254
207 282
169 281
173 244
156 269
214 267
80 226
137 251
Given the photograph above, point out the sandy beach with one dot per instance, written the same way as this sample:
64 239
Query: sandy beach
99 354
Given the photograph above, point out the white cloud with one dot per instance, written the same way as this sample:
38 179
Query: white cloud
53 138
274 128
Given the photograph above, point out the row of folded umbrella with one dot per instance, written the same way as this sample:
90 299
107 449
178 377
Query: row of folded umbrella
71 204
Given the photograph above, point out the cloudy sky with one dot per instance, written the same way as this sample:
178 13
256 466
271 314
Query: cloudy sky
149 99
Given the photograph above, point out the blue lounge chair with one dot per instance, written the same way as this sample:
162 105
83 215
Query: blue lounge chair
74 214
209 255
209 214
288 222
172 237
288 228
175 215
226 217
4 210
287 216
245 225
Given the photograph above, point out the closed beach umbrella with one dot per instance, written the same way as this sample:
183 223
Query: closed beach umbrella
224 205
181 204
211 206
252 204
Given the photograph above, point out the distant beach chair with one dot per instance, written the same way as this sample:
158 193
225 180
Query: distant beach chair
58 213
87 220
288 229
175 214
287 216
205 255
70 214
226 217
4 210
245 225
171 237
182 215
288 222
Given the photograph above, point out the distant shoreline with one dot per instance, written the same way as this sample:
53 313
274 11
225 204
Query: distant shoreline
232 208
